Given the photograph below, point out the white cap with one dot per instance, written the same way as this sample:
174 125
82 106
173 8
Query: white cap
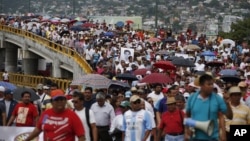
2 89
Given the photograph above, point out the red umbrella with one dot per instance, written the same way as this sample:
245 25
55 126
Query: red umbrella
140 72
152 39
129 21
166 65
87 25
156 78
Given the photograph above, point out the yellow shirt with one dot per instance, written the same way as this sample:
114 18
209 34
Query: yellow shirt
241 116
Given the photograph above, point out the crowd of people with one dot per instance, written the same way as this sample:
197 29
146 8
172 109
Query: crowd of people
218 80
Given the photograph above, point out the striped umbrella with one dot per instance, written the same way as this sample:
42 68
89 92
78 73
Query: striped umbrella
93 80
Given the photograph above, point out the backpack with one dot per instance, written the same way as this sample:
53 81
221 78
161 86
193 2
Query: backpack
88 122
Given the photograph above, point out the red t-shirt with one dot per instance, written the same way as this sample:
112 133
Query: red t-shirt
172 122
60 126
25 114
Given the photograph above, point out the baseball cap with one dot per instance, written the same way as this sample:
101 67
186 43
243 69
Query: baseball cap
57 93
134 98
39 87
128 94
2 89
8 91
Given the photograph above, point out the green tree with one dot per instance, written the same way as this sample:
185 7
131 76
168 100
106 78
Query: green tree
239 30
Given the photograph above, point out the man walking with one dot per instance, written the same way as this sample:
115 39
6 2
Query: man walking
86 116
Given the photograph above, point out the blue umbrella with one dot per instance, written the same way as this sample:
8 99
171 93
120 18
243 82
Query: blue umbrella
228 72
207 53
78 28
109 34
120 24
78 24
8 85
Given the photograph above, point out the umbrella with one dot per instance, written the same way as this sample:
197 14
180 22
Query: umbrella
109 34
92 80
170 40
120 24
163 52
7 85
182 62
17 93
127 76
114 84
228 41
166 65
65 20
171 58
228 72
215 63
152 39
80 19
140 71
78 28
208 53
231 78
156 78
129 21
192 47
88 25
78 24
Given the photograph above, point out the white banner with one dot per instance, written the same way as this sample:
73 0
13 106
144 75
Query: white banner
125 53
17 133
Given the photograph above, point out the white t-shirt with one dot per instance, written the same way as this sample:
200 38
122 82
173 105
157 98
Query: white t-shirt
117 123
5 76
155 97
82 116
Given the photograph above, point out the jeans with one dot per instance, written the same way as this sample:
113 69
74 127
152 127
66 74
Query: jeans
174 138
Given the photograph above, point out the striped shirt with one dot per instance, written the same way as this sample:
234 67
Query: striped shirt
241 116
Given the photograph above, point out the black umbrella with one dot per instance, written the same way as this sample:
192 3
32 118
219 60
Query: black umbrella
182 62
231 78
173 58
114 84
17 93
127 76
170 40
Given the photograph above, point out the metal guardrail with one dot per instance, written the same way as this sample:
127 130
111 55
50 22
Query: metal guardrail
51 45
33 80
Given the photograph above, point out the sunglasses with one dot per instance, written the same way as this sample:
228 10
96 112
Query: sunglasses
137 102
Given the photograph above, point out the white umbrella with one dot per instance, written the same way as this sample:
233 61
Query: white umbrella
65 20
228 41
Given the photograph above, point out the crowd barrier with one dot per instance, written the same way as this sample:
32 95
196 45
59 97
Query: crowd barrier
49 44
33 80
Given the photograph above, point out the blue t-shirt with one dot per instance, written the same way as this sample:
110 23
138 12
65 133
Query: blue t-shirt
204 110
161 106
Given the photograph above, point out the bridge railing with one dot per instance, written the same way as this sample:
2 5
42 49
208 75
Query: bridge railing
52 45
33 80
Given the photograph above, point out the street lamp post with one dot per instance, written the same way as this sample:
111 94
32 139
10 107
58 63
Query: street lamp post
29 6
73 6
156 13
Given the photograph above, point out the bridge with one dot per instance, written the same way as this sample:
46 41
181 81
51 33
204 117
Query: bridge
66 63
